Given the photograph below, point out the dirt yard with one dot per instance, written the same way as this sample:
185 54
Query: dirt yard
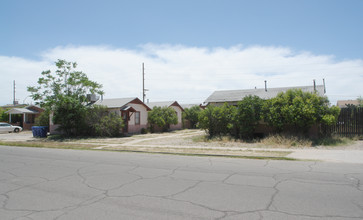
179 142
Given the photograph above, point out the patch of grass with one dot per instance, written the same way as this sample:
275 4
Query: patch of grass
227 156
277 140
61 138
285 140
247 154
200 138
219 139
334 141
280 141
47 144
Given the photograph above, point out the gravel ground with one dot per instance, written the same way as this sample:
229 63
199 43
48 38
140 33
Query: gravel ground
21 136
179 138
193 142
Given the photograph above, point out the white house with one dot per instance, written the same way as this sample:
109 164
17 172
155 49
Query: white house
132 110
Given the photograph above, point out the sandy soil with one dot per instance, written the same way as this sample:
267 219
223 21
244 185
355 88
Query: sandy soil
181 142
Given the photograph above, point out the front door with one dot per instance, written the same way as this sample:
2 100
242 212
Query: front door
125 118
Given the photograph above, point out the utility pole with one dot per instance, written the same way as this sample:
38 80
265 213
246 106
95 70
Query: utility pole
265 85
324 85
14 100
143 83
314 83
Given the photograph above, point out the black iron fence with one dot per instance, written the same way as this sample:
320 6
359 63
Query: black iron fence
350 123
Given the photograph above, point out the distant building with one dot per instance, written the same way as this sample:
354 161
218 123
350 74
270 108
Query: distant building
232 97
184 106
27 115
345 103
13 106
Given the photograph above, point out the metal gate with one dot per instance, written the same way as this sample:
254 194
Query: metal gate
350 123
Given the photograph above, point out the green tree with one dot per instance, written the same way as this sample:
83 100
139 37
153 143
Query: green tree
42 119
360 100
162 117
3 115
102 123
217 120
247 116
192 114
65 94
298 111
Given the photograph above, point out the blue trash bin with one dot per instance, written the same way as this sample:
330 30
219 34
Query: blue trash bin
40 131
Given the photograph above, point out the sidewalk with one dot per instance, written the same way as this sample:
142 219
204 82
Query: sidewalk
341 156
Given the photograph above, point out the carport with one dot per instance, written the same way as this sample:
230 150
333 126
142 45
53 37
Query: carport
28 116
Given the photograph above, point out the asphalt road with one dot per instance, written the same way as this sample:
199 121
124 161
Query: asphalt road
69 184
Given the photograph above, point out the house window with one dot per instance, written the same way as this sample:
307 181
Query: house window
137 118
30 118
177 116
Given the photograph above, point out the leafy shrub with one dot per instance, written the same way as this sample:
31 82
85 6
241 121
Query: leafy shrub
192 114
292 112
298 111
3 116
102 123
246 117
217 120
143 131
42 119
162 117
70 114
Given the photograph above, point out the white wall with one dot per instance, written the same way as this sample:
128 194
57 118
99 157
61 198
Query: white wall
179 114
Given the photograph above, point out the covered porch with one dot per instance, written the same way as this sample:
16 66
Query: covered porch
126 113
26 119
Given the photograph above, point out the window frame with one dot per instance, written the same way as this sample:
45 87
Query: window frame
137 118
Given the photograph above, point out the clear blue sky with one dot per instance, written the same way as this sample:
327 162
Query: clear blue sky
191 47
328 27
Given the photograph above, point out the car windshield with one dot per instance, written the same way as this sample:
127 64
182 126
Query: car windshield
4 125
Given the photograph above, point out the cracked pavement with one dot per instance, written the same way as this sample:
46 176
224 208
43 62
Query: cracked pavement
61 184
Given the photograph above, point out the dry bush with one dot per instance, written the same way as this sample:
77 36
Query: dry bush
285 140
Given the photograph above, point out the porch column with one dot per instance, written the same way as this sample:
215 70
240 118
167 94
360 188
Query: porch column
9 118
24 115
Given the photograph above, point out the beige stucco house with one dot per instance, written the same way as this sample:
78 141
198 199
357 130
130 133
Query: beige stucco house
132 110
174 105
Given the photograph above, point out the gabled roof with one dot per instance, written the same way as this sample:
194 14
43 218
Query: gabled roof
14 106
120 102
238 95
21 111
164 104
114 103
189 105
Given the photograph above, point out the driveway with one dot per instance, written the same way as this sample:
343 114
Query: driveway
21 136
38 183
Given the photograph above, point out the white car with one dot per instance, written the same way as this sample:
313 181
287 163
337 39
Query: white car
5 127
